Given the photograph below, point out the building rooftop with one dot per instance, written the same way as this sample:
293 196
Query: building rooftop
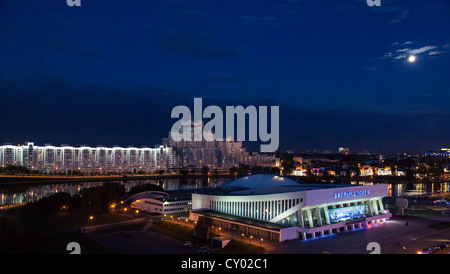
161 196
261 181
260 184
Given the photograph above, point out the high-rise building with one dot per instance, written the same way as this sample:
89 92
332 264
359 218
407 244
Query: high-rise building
438 156
91 160
197 150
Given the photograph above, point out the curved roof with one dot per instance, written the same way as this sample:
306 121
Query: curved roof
261 181
147 195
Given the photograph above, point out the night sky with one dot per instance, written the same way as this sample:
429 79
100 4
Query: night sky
110 72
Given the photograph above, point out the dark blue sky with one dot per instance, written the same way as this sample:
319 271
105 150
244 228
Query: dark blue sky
110 72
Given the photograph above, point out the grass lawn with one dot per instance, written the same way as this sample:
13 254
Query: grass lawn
128 227
185 233
31 232
176 231
420 211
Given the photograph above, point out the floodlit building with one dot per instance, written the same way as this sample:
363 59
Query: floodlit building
384 171
280 208
91 160
366 171
160 202
300 171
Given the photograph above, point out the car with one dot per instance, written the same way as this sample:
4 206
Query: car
427 251
437 247
187 244
204 250
84 231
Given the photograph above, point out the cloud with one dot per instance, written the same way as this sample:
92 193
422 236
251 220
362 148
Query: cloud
406 52
401 18
436 52
421 50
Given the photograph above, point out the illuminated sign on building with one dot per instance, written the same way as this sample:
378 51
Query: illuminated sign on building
347 213
350 193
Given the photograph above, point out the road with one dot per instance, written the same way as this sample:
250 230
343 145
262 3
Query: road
394 237
142 242
137 242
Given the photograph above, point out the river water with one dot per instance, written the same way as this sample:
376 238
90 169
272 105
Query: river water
12 195
25 194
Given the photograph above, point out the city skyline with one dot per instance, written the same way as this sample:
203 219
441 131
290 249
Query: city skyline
340 72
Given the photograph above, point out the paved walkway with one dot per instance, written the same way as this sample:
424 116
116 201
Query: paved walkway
394 237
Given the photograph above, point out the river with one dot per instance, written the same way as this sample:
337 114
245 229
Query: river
12 195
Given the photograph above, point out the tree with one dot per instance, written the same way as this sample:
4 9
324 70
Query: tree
205 170
144 187
184 171
287 163
233 170
98 199
13 169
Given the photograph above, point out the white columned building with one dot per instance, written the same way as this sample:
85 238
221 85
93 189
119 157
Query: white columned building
293 209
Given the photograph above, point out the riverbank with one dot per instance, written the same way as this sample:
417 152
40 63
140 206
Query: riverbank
15 180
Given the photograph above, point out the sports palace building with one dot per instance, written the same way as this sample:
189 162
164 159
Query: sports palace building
279 208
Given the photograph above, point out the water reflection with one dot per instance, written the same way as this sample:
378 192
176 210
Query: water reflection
412 188
27 194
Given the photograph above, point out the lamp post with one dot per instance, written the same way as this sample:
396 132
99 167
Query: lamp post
260 241
251 237
242 235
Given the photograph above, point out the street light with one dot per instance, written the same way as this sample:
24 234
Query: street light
251 237
260 241
242 235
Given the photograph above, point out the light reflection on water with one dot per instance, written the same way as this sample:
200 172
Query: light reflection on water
26 194
412 188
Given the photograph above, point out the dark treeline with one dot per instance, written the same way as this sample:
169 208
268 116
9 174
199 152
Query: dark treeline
89 200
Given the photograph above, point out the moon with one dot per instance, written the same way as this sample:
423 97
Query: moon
412 59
